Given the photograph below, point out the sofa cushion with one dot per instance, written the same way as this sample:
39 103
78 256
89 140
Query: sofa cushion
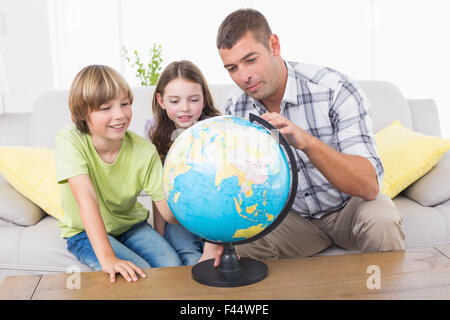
406 156
32 172
37 248
434 187
15 208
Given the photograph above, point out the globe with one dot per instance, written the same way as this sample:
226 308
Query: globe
226 179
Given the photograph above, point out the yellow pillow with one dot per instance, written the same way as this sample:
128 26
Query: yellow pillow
406 156
32 172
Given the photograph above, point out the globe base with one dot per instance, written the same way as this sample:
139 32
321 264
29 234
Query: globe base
232 272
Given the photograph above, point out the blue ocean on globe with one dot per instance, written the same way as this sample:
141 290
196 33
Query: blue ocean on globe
226 179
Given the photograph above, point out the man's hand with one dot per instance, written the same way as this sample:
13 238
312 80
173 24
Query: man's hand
295 136
127 269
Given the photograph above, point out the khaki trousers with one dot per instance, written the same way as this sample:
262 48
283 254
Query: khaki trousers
365 225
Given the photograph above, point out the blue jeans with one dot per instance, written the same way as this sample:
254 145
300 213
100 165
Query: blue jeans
188 246
141 244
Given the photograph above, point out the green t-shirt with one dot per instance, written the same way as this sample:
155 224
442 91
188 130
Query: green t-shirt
136 168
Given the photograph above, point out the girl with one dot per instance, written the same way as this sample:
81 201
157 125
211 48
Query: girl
181 98
103 167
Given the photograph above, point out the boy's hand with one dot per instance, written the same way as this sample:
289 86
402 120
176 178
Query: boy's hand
126 268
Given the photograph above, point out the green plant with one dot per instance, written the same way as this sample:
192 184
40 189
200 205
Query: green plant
147 73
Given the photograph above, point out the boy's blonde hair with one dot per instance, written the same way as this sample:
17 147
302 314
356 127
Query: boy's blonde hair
93 86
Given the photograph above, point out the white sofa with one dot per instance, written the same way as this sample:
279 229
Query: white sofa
37 248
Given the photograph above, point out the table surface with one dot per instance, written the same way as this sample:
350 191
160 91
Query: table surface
412 274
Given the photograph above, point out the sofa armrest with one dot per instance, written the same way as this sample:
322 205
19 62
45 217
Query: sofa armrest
6 223
425 116
14 129
434 187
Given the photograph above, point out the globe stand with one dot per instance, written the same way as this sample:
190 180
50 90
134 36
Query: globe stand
232 272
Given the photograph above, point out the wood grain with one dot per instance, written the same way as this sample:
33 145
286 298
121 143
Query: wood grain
19 287
411 274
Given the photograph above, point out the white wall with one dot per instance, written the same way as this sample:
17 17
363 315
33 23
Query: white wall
83 32
413 50
332 33
26 51
185 29
402 41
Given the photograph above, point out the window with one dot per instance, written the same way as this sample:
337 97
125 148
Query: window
401 41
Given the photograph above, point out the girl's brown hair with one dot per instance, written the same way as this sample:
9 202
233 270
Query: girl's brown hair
93 86
161 132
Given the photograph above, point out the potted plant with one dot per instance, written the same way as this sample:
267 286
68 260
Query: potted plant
147 72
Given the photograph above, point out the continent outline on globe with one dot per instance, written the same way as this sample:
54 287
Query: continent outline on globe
226 164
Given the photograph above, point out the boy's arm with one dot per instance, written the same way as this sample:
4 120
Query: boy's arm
87 201
165 211
158 221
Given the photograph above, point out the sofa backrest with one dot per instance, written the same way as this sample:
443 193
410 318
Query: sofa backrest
388 104
51 111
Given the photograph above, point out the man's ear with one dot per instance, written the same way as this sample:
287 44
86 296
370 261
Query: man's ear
275 45
160 100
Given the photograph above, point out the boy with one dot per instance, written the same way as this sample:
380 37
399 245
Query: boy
102 168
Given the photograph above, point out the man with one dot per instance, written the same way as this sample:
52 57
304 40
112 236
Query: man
325 117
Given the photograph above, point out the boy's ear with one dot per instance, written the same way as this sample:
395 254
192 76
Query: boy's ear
160 100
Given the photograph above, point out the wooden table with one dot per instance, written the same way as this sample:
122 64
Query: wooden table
412 274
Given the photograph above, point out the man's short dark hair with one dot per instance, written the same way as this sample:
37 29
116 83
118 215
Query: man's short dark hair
238 23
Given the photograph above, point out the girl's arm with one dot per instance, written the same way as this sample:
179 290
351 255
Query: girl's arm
87 201
212 251
165 211
158 221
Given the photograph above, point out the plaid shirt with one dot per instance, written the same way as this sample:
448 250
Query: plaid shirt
331 107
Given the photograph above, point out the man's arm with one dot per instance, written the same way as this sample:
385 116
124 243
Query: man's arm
352 174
